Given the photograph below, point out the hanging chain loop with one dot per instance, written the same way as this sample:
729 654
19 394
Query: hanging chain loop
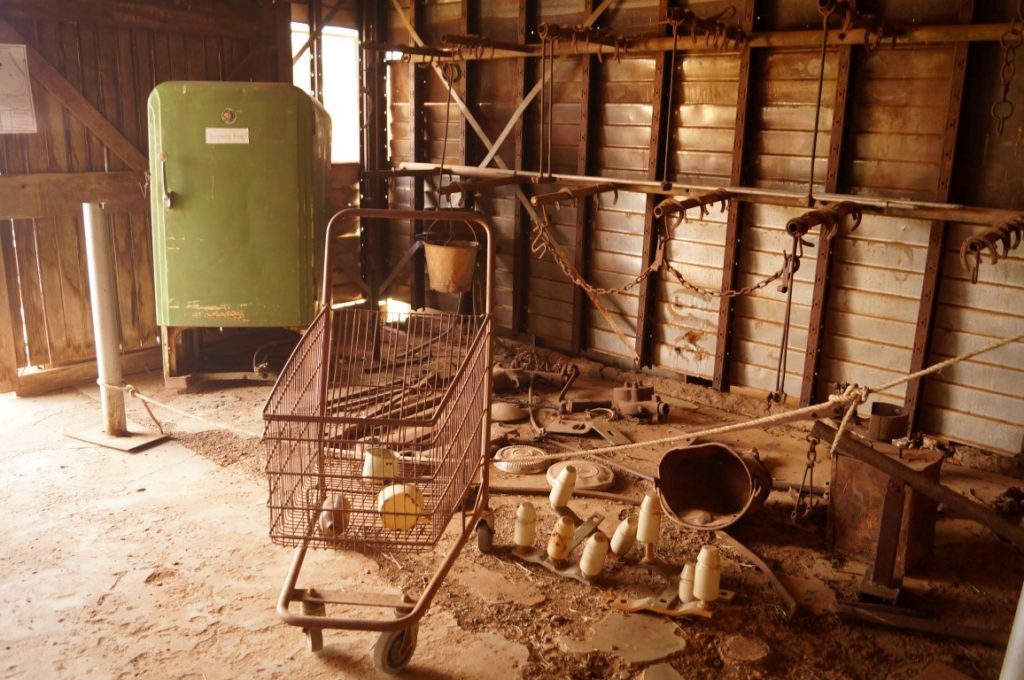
1003 109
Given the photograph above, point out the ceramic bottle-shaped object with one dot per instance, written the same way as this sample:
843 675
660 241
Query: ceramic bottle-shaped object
624 536
686 583
707 579
525 529
649 524
595 552
334 515
563 487
561 537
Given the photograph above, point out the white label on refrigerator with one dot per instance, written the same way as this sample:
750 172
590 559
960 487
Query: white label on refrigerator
17 115
227 135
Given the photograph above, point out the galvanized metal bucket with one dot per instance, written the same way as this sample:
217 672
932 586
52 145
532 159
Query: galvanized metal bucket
709 486
450 265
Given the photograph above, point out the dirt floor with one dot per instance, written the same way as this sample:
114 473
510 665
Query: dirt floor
157 564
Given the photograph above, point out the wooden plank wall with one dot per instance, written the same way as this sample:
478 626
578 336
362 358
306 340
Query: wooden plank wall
892 146
109 55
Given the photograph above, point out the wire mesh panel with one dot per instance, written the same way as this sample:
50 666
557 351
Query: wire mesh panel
375 429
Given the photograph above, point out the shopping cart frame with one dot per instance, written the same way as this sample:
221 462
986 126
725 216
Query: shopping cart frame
395 647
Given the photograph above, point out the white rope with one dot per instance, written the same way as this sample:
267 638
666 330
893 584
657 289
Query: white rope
132 391
852 397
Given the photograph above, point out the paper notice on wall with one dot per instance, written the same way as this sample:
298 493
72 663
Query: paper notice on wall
17 115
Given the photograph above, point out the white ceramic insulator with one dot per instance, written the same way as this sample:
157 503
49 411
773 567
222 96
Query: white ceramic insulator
595 552
379 464
561 536
624 536
334 516
686 583
649 525
563 487
525 530
707 580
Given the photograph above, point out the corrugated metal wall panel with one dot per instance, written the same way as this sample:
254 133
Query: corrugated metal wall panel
758 319
876 286
898 120
980 401
784 85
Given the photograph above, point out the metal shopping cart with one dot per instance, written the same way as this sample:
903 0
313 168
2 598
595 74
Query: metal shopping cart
376 429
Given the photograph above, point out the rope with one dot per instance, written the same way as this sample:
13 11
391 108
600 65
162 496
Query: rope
132 391
852 397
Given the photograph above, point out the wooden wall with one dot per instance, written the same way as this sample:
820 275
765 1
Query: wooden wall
886 130
93 64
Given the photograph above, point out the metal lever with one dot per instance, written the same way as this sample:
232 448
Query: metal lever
168 197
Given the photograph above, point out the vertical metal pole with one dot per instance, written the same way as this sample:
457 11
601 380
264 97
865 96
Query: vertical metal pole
1013 662
103 287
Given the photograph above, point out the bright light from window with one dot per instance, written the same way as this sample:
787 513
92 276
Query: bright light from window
341 85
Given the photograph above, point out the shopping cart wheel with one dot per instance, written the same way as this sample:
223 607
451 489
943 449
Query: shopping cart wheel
314 636
393 650
484 538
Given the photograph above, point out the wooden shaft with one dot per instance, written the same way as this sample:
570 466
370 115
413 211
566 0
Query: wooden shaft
956 503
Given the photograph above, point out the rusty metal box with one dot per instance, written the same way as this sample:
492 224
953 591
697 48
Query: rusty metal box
855 510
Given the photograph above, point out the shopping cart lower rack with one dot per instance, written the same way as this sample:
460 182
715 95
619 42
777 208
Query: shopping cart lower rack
375 430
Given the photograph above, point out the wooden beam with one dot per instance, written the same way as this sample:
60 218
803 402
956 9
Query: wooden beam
53 193
588 95
823 260
418 135
8 327
281 18
33 383
79 106
521 239
661 122
937 232
734 223
206 18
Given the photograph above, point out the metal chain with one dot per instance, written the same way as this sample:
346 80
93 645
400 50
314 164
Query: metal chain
807 483
452 73
731 293
1002 110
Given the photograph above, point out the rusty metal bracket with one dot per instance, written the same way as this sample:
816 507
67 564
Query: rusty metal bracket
671 206
829 218
1009 232
565 194
875 30
716 32
478 44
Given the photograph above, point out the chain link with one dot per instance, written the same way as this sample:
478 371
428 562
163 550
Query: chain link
1003 109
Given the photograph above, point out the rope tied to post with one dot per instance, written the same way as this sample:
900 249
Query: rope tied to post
133 391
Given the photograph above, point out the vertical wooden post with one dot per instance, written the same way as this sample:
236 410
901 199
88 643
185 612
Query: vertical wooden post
521 239
373 151
823 261
661 124
8 345
281 16
734 224
418 136
937 233
589 83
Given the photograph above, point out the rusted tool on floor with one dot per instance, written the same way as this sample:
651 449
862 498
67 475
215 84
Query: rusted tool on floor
630 400
1009 233
505 379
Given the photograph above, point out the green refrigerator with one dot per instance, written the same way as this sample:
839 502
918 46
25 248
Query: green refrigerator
238 186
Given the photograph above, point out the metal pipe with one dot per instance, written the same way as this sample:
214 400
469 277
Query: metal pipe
483 42
909 35
921 210
103 286
1013 662
567 194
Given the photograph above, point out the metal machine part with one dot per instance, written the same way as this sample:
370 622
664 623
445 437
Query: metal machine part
710 486
631 400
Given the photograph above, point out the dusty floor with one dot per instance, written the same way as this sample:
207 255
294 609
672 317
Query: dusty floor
157 564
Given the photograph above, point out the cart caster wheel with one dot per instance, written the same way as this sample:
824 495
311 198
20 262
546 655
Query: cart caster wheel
394 650
484 538
314 639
